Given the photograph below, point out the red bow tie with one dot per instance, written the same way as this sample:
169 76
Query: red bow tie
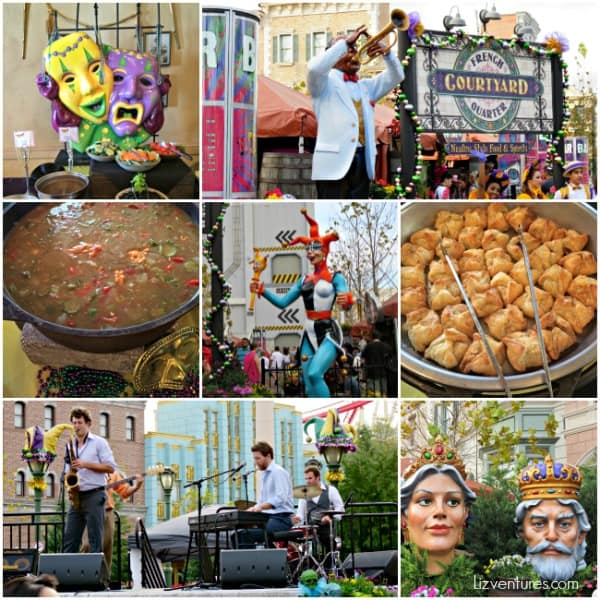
348 77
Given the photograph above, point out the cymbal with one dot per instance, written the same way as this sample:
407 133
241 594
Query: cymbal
301 491
243 504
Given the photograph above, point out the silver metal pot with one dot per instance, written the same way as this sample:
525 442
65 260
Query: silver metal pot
572 215
61 185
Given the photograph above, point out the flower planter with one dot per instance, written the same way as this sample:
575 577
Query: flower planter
513 587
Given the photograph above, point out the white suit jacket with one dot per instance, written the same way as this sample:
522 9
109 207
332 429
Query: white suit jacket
337 135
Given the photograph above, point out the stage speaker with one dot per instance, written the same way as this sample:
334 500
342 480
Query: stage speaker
251 568
76 571
18 563
382 565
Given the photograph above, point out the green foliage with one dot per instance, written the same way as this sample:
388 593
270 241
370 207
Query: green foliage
361 586
460 576
510 567
588 499
587 580
490 532
371 471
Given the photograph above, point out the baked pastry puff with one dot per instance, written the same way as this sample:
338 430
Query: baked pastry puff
543 229
449 224
412 298
477 360
509 288
449 348
579 263
457 316
485 303
523 350
471 237
574 311
585 289
544 302
412 276
505 321
423 326
558 334
494 238
496 213
412 255
555 280
522 215
497 260
442 292
573 240
426 238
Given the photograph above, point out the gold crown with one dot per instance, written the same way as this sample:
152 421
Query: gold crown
438 454
549 480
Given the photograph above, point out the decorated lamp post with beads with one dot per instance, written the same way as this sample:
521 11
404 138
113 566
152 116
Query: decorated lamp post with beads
333 440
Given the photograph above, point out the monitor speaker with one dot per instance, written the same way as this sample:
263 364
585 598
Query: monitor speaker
76 572
382 565
18 563
250 568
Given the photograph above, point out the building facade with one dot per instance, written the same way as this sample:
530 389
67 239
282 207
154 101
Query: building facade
292 33
199 439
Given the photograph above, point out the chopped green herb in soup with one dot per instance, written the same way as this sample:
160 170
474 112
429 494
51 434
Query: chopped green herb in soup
100 265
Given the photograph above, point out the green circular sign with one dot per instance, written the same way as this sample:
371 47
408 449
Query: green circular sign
487 113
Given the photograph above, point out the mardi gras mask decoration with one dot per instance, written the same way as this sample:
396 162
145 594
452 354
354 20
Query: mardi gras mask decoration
80 78
136 98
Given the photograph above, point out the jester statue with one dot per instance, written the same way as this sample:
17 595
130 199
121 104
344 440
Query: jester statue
108 94
551 520
322 336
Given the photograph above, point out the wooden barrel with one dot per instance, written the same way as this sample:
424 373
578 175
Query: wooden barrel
289 172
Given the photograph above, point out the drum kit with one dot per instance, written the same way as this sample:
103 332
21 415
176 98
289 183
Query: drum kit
303 539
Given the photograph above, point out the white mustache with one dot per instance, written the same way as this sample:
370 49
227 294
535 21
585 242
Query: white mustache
545 545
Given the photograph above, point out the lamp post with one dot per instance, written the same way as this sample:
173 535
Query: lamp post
38 469
485 16
167 479
333 459
451 20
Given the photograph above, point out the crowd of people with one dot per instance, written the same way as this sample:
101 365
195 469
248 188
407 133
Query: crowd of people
488 182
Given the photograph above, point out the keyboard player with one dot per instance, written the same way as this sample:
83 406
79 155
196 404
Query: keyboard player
275 499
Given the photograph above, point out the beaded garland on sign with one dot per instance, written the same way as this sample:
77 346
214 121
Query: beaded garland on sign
555 44
207 251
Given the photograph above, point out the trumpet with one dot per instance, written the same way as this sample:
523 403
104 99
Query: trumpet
398 20
72 478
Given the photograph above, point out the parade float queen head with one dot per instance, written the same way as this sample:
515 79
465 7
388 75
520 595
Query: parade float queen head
320 291
435 501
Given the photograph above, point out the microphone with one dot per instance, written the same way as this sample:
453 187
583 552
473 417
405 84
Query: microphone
238 469
236 477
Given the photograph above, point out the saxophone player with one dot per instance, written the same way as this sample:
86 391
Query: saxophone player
92 460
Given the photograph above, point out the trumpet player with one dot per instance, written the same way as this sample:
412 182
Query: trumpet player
92 459
345 150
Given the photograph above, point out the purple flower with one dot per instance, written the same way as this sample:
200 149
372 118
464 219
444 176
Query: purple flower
415 27
556 41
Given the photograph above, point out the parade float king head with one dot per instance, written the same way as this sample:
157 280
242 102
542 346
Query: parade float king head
106 94
551 520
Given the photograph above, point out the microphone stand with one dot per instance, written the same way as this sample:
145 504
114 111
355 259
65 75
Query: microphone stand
198 483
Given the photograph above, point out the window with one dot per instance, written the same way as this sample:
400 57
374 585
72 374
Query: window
20 483
50 485
285 49
104 429
20 415
130 429
48 417
315 44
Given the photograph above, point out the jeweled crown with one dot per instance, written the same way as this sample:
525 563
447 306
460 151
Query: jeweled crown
438 454
549 480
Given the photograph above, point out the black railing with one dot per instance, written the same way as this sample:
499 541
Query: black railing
21 531
343 382
369 527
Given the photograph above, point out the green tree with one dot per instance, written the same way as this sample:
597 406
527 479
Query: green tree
371 471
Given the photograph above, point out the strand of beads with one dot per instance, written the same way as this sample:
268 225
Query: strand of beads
207 251
81 382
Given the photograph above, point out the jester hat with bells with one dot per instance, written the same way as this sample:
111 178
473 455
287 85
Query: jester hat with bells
314 236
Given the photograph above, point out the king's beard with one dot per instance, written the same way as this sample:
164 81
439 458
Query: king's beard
555 567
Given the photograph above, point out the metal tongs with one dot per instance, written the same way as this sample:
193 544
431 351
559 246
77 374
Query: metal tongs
536 311
475 318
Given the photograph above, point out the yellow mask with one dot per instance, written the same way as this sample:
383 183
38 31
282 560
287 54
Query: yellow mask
84 80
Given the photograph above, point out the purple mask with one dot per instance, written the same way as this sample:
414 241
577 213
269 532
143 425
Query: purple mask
135 101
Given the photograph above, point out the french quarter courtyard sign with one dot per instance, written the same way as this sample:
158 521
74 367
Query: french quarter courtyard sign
485 87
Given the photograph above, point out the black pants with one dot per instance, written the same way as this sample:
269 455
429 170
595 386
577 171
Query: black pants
248 538
90 513
353 186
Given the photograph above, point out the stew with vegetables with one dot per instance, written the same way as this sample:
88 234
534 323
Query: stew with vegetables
101 265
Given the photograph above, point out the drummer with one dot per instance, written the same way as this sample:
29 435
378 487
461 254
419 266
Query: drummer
310 509
276 497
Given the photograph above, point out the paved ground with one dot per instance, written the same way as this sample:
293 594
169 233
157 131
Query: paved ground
191 592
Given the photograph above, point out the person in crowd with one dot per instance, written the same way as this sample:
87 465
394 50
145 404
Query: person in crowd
375 358
574 189
345 150
532 183
31 585
442 191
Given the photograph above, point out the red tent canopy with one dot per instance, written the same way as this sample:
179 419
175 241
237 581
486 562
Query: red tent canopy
280 111
390 306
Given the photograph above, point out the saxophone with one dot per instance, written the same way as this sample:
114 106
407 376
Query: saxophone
72 479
